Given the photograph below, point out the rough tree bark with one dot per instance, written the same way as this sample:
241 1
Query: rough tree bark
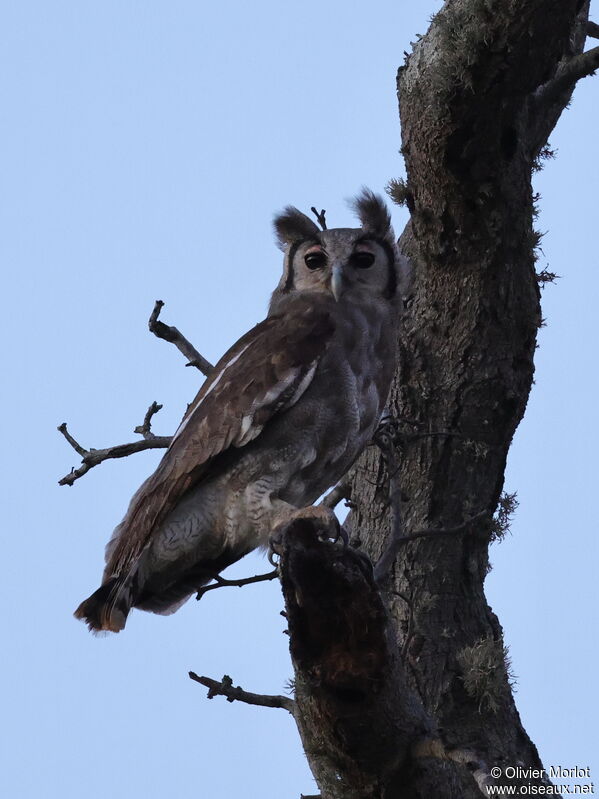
403 690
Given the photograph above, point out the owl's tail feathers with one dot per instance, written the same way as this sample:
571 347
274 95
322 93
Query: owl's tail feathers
108 607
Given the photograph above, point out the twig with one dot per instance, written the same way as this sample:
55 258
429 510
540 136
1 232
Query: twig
174 336
232 693
320 217
76 446
592 30
431 532
341 491
221 582
386 560
569 73
92 457
145 429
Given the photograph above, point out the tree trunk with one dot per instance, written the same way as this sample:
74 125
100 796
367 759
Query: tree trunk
419 704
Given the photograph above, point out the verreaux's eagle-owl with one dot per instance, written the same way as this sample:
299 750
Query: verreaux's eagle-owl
280 419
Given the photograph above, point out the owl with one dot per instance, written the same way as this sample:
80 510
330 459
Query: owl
280 419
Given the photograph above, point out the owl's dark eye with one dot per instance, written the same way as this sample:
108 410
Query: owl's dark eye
362 260
315 260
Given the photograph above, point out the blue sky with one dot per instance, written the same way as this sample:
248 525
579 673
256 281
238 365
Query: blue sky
144 149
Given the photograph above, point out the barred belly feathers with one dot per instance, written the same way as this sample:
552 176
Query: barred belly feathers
280 419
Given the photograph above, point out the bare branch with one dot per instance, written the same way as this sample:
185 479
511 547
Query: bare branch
76 446
221 582
92 457
341 491
567 75
232 693
592 30
145 429
431 532
174 336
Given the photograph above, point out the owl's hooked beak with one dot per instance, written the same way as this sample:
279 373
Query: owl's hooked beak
337 281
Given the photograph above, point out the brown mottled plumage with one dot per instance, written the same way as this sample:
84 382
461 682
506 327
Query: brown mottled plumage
284 414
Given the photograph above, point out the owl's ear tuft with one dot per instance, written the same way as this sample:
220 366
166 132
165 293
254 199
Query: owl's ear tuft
372 212
291 226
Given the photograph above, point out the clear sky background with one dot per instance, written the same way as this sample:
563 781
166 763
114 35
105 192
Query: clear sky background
144 147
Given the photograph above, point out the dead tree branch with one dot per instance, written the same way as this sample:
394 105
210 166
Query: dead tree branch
174 336
221 582
92 457
145 429
236 694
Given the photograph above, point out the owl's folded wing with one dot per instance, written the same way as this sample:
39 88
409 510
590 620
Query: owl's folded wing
263 374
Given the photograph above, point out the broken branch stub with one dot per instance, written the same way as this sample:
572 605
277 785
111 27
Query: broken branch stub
352 697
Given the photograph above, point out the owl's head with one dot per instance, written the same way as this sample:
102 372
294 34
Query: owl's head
352 263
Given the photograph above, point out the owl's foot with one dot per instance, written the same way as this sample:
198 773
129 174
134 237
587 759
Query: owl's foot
320 516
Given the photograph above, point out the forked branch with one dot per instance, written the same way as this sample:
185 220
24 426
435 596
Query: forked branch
145 429
92 457
320 217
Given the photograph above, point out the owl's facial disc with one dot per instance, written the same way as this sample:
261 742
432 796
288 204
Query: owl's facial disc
342 262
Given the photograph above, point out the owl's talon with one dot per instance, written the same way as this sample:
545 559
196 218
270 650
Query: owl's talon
343 536
322 518
329 528
274 548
